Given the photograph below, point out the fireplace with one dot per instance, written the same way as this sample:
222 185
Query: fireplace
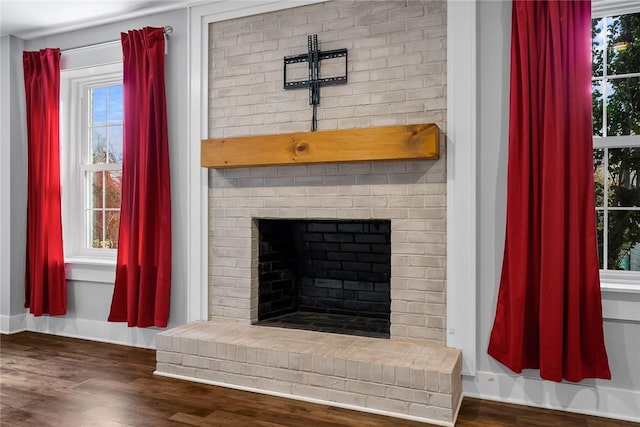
407 196
325 275
397 77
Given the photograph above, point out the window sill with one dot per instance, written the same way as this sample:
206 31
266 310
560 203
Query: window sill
623 288
620 299
91 270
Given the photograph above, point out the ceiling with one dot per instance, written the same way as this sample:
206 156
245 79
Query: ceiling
30 19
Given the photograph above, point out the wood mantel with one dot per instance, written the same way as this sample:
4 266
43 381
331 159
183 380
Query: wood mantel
410 142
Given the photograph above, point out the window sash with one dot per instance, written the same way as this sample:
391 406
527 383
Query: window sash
624 141
606 142
75 101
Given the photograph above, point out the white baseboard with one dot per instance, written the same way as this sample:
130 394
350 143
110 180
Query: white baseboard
110 332
592 398
13 324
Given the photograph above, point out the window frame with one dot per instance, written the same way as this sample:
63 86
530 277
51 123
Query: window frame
75 83
615 282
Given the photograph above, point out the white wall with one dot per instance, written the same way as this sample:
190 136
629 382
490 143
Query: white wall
18 180
89 302
620 397
13 160
5 187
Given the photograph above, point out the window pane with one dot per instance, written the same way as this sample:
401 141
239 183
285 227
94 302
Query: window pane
597 45
112 222
597 106
624 185
98 145
98 106
623 50
113 187
97 188
623 243
600 230
623 106
598 175
634 258
96 226
115 144
115 105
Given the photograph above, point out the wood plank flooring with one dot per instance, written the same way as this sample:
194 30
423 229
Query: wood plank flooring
55 381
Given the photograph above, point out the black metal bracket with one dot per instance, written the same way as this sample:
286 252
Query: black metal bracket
314 83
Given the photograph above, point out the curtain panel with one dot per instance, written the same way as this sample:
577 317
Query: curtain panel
45 283
549 313
143 271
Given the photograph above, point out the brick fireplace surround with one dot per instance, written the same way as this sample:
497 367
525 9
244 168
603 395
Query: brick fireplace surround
396 76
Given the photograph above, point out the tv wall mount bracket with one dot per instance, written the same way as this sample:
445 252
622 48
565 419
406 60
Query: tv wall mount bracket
315 82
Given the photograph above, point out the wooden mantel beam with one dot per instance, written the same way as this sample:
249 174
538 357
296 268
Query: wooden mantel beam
353 145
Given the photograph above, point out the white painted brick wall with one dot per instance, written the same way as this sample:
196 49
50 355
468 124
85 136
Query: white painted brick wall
396 75
395 48
417 264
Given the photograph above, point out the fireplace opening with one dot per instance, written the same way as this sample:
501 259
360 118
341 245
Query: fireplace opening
325 275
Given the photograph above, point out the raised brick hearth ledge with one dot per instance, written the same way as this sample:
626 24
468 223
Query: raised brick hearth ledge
398 377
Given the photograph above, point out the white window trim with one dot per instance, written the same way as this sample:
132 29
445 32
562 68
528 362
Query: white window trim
600 8
620 290
81 69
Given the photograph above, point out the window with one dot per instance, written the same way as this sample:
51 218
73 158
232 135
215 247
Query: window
91 135
102 165
616 130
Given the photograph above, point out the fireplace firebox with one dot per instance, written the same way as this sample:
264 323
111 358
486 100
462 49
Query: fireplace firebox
325 275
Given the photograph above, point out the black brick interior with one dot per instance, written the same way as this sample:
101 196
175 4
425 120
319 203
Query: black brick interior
335 272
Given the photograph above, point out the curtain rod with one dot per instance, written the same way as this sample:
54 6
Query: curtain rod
167 30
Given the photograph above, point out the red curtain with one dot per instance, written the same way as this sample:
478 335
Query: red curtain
45 284
143 272
549 313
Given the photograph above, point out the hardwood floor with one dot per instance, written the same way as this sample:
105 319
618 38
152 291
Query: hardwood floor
55 381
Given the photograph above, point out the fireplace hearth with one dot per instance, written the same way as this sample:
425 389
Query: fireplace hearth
325 275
